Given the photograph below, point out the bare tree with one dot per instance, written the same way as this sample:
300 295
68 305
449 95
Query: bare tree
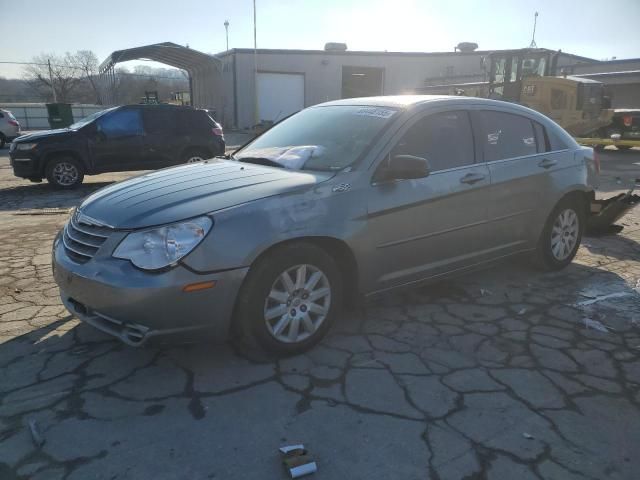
87 62
64 74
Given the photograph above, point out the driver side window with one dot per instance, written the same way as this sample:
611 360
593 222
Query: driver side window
444 139
123 123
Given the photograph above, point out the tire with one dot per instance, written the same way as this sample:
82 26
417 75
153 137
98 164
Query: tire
622 148
195 156
64 172
290 314
566 221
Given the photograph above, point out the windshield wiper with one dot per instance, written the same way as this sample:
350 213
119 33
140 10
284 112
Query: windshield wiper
259 161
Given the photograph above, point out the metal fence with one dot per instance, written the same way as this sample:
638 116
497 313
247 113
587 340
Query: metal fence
33 116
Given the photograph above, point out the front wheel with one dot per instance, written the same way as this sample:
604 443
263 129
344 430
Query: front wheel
64 172
290 299
561 236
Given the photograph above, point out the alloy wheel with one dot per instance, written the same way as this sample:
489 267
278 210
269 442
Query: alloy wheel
65 174
564 234
297 304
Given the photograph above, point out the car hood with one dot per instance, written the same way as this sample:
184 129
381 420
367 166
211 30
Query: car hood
174 194
44 135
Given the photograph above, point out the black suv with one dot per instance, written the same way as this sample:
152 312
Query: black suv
132 137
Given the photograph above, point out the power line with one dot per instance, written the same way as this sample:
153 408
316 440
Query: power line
148 75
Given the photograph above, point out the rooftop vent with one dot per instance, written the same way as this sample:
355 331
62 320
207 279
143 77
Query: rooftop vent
466 47
335 47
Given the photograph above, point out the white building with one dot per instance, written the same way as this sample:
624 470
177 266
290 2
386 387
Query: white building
245 87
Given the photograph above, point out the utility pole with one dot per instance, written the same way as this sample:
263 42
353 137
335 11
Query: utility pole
533 37
55 97
255 65
226 27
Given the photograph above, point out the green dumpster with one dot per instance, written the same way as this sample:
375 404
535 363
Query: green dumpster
60 115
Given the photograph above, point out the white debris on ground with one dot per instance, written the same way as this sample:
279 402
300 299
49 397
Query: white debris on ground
596 325
601 298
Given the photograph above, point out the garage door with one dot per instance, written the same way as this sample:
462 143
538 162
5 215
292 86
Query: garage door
279 95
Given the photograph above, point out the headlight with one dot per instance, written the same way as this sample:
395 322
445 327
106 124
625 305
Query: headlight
163 246
25 146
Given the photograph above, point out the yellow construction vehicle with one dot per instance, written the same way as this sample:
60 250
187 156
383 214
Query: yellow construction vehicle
527 76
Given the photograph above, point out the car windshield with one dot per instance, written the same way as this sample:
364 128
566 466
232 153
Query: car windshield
319 138
89 119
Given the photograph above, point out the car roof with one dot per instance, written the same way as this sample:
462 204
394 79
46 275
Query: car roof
161 105
410 101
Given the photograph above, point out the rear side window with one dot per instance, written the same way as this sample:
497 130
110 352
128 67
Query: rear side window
555 142
541 138
160 120
195 122
121 123
445 139
505 135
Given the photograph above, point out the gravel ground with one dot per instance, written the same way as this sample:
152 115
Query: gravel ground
507 373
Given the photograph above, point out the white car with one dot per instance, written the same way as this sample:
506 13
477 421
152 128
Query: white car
9 127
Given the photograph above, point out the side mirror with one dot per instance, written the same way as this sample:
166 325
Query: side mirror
404 167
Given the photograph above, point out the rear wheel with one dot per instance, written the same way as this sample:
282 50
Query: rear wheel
561 235
64 172
195 156
290 299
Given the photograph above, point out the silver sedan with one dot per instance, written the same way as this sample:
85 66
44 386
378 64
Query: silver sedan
344 199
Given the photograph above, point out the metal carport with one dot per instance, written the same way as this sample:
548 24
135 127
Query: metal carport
203 69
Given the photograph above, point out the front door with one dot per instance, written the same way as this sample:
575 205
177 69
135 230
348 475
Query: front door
422 228
118 144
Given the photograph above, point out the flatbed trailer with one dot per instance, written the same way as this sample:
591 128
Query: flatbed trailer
595 142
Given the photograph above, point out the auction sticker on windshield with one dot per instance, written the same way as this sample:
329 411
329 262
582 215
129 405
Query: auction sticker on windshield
376 112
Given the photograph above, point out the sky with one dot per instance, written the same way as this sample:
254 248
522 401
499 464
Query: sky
591 28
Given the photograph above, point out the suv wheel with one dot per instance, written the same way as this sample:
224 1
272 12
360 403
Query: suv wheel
64 172
561 236
290 299
195 156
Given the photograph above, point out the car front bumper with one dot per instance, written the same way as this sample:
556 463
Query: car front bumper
135 306
25 164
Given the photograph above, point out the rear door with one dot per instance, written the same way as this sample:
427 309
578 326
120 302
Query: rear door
118 143
164 138
428 226
522 164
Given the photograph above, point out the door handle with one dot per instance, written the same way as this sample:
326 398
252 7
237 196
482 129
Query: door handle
546 163
471 178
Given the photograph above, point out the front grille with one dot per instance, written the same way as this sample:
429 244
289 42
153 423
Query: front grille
82 240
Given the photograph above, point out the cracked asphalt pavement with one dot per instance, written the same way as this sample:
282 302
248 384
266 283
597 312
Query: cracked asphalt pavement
507 373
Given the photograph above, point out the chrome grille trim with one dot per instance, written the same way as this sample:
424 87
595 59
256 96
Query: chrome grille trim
82 240
76 235
74 250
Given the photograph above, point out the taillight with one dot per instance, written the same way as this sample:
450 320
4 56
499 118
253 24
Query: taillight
217 130
596 160
13 122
